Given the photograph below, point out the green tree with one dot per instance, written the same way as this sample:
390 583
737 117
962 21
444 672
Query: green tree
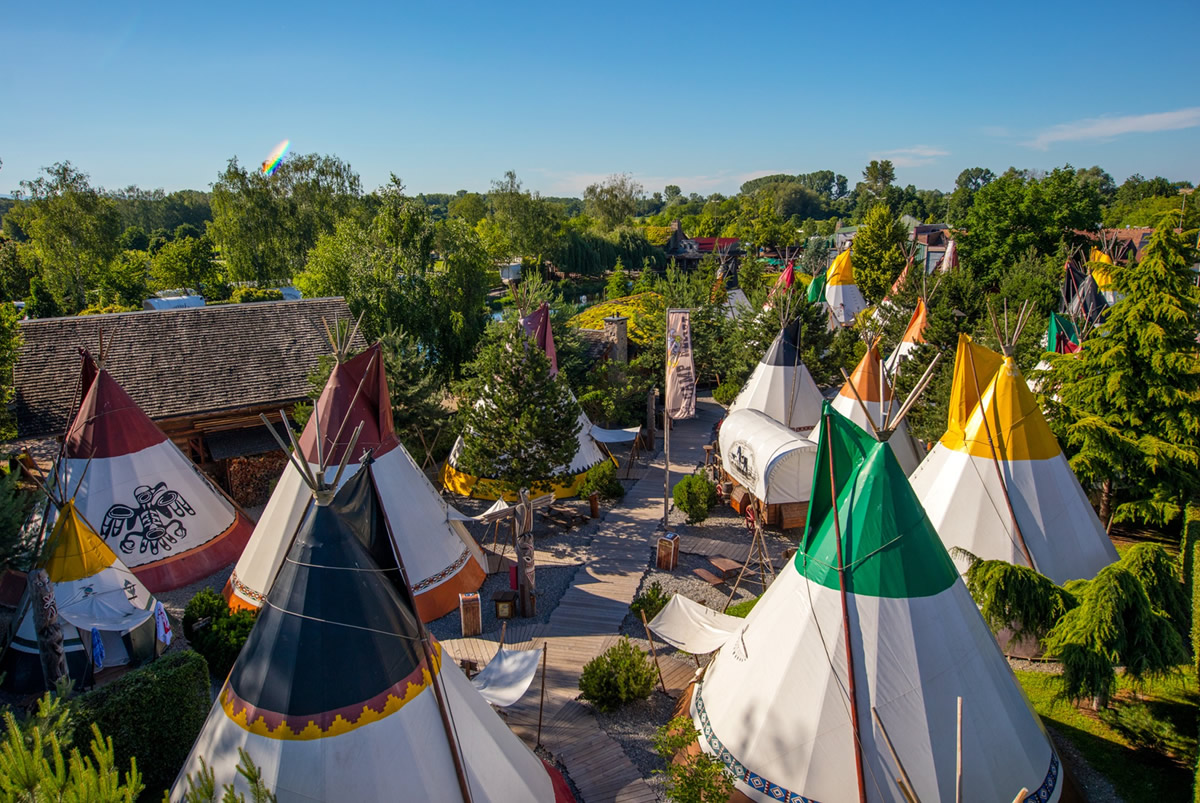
186 262
134 238
1130 401
33 767
18 264
613 200
532 227
878 253
470 206
41 303
417 392
522 422
124 281
618 282
878 176
73 229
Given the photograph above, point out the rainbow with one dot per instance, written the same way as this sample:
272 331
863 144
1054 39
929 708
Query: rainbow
272 162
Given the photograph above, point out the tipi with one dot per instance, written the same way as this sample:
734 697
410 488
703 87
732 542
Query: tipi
841 293
443 559
914 335
884 653
166 520
781 385
92 589
587 455
998 486
866 398
341 694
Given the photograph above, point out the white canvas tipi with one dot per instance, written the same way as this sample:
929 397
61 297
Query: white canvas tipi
340 695
781 385
866 398
841 292
997 455
782 701
443 559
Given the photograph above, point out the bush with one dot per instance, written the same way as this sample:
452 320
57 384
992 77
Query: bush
623 673
247 295
221 638
725 393
602 479
650 601
692 777
1137 723
695 496
743 608
106 309
154 713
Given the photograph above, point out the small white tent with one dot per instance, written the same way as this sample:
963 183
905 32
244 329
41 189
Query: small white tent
781 386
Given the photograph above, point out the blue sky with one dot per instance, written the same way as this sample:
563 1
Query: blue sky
703 95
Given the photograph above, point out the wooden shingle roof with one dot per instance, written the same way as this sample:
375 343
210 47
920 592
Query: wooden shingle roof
177 362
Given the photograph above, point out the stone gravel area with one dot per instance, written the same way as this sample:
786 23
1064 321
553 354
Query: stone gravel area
634 727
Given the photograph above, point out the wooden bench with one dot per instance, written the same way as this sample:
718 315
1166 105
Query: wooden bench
725 566
709 577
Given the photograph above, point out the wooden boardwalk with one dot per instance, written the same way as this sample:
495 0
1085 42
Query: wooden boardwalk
711 547
586 623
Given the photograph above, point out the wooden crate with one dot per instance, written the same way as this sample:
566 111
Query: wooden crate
792 514
470 614
740 499
668 552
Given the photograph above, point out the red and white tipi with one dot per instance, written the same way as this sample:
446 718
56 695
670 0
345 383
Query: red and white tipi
443 559
158 513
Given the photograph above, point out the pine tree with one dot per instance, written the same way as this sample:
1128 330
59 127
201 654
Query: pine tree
1130 401
520 423
878 255
618 282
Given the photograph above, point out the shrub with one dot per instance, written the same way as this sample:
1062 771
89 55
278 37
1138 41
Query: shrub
650 601
221 638
691 776
106 309
725 393
621 674
1018 598
695 496
154 713
202 785
247 295
743 608
602 479
1137 723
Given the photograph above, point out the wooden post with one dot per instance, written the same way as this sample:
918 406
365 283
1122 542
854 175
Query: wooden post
542 701
653 654
841 569
47 627
904 782
666 466
958 772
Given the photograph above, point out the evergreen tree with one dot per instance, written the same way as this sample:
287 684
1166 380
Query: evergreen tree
618 282
1130 401
41 303
520 422
878 253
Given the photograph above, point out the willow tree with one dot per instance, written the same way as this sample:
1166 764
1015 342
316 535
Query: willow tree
1130 401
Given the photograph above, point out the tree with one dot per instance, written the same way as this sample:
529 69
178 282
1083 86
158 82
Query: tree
134 238
416 392
521 422
124 281
878 253
613 200
265 226
470 206
41 303
72 228
531 226
969 182
618 282
672 194
1130 401
184 263
878 176
18 265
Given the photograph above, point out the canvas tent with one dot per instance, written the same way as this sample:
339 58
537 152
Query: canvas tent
443 559
92 589
772 462
333 695
841 293
164 518
587 454
917 642
781 386
868 394
968 500
914 335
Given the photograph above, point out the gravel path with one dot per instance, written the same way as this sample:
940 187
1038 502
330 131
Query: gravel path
634 727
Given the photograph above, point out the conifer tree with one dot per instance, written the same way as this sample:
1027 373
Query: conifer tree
1130 401
618 282
878 253
520 423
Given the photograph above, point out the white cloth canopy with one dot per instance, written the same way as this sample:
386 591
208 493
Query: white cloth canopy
689 626
771 461
507 676
603 435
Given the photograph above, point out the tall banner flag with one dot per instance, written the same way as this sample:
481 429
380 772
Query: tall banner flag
681 374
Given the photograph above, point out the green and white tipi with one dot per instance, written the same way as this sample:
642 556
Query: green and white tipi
775 705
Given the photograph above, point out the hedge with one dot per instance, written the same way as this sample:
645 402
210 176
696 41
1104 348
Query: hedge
154 713
1189 554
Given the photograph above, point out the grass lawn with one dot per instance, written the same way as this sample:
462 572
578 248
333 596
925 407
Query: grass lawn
1149 749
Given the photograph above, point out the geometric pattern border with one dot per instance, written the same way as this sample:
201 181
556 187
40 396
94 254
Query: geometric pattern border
444 573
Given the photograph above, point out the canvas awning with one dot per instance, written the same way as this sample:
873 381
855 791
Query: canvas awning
627 435
689 626
507 676
774 463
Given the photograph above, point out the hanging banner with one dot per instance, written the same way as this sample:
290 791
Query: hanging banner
681 374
